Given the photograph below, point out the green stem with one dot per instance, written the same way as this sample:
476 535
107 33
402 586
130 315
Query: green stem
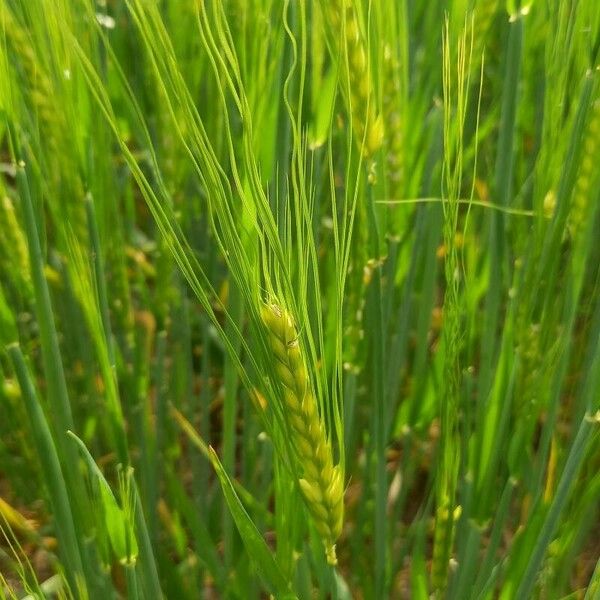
146 558
376 328
132 584
53 367
51 470
574 460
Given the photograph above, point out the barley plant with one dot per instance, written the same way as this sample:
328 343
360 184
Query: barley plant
300 299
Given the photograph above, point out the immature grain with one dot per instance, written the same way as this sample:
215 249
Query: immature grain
320 481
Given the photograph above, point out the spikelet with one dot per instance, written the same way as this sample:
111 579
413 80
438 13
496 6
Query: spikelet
445 529
38 89
393 124
13 246
36 79
587 176
531 358
360 92
320 482
116 268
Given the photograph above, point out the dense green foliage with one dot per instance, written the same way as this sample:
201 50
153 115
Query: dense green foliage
411 188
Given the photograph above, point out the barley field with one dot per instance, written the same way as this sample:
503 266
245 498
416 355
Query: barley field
300 299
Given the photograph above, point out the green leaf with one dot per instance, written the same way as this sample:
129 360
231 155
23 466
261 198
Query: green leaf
261 555
118 522
319 128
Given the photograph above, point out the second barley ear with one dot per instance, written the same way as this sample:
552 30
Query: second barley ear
367 124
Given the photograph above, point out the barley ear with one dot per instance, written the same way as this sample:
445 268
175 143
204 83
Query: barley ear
320 482
359 89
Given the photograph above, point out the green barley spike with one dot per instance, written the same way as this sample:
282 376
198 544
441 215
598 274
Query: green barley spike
445 529
393 124
584 184
342 16
321 483
13 245
38 82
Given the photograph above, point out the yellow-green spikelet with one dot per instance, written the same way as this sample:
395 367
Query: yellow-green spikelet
320 481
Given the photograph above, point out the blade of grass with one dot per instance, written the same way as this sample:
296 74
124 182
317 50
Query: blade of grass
55 481
262 556
588 428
